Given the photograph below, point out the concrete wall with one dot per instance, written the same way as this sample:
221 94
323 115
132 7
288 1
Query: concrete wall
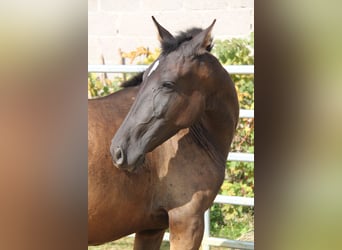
127 24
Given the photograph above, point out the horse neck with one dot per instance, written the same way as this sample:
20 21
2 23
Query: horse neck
215 129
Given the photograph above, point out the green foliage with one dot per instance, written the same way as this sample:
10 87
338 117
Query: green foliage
233 52
228 220
101 87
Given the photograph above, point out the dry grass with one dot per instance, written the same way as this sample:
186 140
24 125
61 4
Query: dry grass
127 244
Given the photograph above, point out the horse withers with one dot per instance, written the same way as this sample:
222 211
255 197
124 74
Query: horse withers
172 130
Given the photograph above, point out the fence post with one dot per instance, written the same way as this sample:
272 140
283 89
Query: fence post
206 234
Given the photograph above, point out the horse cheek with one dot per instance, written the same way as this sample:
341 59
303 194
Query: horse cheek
192 111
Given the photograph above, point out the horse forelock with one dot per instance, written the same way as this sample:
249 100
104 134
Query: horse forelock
170 45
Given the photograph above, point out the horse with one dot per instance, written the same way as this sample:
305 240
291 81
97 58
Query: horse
157 148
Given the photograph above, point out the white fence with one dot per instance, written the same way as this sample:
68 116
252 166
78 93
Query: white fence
245 157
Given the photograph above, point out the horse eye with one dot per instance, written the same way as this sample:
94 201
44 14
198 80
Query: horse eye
168 85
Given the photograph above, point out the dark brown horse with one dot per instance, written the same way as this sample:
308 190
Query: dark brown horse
172 136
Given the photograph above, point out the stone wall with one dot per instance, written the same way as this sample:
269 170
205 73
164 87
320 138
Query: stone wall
127 24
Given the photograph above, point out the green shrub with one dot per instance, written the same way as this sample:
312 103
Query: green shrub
98 86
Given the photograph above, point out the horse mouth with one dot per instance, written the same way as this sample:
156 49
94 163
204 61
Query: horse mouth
131 167
140 161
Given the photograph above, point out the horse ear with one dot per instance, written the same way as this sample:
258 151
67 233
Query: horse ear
162 32
203 40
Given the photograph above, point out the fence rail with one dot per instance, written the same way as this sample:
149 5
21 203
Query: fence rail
233 156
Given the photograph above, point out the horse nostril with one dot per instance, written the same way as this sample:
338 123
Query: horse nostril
118 156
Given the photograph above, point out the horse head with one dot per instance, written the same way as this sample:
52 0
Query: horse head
172 96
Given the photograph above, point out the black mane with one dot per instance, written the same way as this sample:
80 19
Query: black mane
171 45
134 81
167 47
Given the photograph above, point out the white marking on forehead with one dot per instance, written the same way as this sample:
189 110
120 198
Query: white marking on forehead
154 67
